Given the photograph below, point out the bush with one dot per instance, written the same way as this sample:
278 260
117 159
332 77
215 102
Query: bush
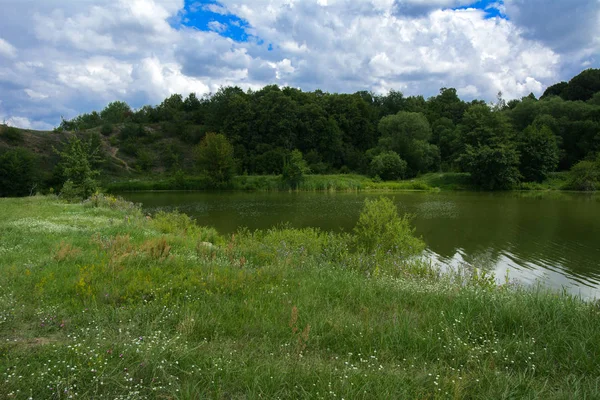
214 156
539 153
585 175
381 230
106 129
294 170
389 166
18 173
12 135
492 167
76 163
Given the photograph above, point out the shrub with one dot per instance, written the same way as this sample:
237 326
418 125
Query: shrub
492 167
381 230
539 153
585 175
106 129
12 135
76 162
389 166
18 172
214 156
294 170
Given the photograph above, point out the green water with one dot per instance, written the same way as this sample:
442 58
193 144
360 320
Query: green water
550 237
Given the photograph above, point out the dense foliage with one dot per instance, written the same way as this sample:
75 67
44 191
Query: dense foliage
76 165
215 158
18 175
504 143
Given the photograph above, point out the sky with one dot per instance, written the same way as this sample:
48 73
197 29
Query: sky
61 58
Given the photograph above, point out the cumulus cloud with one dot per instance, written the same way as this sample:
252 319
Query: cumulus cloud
81 55
7 49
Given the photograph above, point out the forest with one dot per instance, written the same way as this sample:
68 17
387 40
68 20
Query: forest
287 131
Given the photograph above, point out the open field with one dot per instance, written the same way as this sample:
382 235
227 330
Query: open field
98 300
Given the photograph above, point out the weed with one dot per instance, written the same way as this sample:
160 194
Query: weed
66 251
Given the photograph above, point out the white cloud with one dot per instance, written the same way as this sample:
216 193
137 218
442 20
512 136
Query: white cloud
81 55
217 26
7 49
36 95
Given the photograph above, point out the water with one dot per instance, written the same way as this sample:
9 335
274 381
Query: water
549 237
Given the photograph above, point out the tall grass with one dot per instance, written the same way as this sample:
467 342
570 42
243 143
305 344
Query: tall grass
99 300
335 183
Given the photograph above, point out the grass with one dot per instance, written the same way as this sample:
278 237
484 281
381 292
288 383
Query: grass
99 301
338 183
445 181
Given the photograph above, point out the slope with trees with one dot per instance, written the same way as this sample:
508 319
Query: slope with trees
391 136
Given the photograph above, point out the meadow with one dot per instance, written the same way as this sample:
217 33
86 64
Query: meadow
98 300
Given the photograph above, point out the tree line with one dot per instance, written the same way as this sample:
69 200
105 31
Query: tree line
388 136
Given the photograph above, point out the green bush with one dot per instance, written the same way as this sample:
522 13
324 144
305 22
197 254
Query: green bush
294 170
389 166
214 157
585 175
492 167
539 153
381 230
12 135
106 129
76 163
18 173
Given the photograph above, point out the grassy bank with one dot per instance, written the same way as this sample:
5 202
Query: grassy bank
267 183
446 181
97 299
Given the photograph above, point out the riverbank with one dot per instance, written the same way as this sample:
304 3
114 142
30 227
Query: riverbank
98 299
448 181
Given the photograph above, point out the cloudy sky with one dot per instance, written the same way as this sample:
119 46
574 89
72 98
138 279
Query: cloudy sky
65 57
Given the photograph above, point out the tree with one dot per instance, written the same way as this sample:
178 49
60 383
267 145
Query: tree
492 167
407 134
76 161
214 156
116 112
18 173
294 169
539 153
583 86
388 166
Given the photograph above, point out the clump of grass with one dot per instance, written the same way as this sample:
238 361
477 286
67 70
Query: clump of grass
157 249
66 251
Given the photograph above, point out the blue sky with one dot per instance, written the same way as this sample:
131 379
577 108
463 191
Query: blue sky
79 55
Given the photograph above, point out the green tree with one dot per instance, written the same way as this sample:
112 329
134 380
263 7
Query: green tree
214 156
539 153
294 169
116 112
18 173
583 86
492 167
76 163
388 166
407 134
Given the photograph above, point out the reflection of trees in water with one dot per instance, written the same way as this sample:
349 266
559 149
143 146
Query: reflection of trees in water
559 231
484 223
